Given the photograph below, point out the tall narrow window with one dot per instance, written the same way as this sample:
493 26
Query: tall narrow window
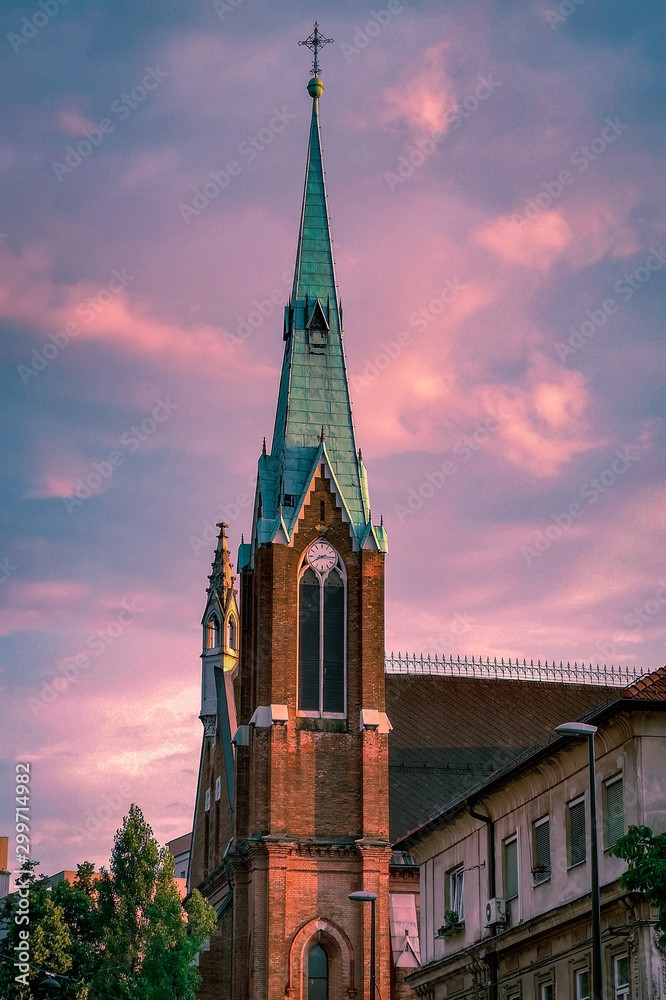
321 640
510 865
231 633
547 991
317 973
621 977
212 633
613 810
576 832
456 895
582 991
541 850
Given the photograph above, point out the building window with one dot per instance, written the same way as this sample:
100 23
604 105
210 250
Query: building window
541 850
231 633
212 633
510 878
456 894
582 984
321 641
547 991
207 800
576 831
218 789
621 977
613 810
317 973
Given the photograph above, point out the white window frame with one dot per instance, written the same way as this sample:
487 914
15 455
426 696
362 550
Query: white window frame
456 887
207 801
621 992
578 993
302 569
545 985
218 789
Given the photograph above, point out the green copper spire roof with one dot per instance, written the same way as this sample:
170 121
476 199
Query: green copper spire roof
313 422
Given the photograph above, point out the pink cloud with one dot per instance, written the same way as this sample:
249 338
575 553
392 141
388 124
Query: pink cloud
424 97
532 244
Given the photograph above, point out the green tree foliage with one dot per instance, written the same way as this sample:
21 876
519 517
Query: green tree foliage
124 934
646 854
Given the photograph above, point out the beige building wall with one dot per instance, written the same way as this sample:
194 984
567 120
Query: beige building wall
546 941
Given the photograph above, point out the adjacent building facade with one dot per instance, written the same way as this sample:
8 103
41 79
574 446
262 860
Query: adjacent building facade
505 870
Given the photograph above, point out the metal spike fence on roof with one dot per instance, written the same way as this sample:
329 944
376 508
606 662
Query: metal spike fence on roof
604 675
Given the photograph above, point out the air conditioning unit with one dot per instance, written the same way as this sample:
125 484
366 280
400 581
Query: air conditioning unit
495 912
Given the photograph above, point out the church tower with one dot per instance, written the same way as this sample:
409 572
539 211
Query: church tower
307 792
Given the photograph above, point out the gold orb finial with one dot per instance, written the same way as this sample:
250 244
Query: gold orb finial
315 87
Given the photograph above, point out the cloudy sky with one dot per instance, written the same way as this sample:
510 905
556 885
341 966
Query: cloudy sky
496 181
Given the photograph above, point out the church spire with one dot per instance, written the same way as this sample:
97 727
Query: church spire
313 421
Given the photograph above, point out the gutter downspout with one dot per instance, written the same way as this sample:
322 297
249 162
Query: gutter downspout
492 956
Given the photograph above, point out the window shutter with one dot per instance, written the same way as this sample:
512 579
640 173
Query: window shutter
334 644
308 647
614 812
510 869
542 850
577 833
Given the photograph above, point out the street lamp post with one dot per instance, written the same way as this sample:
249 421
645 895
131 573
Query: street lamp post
582 729
369 897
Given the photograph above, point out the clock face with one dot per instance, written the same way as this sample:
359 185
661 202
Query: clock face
322 556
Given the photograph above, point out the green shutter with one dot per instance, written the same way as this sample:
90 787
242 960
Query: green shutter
542 851
334 644
577 833
308 646
614 812
510 869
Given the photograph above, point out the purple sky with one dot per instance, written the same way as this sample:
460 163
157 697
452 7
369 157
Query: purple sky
496 183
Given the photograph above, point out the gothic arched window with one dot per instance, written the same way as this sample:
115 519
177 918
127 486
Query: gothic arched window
231 633
212 633
321 640
317 973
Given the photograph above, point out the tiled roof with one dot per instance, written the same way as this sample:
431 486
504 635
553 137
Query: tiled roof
449 734
649 688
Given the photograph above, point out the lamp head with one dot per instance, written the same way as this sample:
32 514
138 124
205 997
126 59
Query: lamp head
576 729
362 896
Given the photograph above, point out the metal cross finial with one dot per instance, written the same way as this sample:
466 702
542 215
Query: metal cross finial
314 42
